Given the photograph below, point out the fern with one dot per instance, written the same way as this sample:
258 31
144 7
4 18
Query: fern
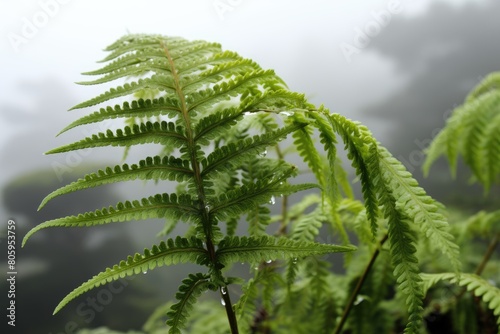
191 288
475 284
214 115
472 131
254 250
172 252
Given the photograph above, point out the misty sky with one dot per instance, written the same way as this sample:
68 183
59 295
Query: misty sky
46 44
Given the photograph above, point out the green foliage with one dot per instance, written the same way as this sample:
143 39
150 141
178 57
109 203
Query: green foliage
217 119
472 131
480 287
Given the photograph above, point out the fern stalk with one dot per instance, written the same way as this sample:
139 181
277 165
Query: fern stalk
359 285
195 164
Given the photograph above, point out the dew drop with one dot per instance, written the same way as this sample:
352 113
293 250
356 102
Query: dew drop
269 261
294 261
222 302
144 272
286 113
272 201
207 208
223 290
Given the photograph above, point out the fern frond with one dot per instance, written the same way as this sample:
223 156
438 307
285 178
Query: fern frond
418 206
471 131
214 125
475 284
158 206
245 308
167 106
265 248
307 227
487 84
172 252
304 143
153 168
243 198
133 70
358 143
483 224
232 154
280 100
203 99
258 219
158 133
191 288
158 81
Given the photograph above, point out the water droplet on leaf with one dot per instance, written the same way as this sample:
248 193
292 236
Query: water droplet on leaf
272 201
286 113
222 302
223 290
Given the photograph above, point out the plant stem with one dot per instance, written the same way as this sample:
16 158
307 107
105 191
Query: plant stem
491 248
356 290
486 257
231 316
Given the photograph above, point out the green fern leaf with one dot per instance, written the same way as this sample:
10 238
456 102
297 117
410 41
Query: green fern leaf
265 248
232 154
472 132
158 133
307 227
489 83
305 146
191 288
479 286
418 206
172 252
204 99
241 199
158 206
167 106
359 144
158 81
156 168
258 219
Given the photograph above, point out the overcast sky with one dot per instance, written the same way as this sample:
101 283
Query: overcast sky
288 36
315 46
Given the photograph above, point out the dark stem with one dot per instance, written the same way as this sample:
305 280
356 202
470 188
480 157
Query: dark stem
491 248
284 205
479 270
356 290
231 316
204 209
